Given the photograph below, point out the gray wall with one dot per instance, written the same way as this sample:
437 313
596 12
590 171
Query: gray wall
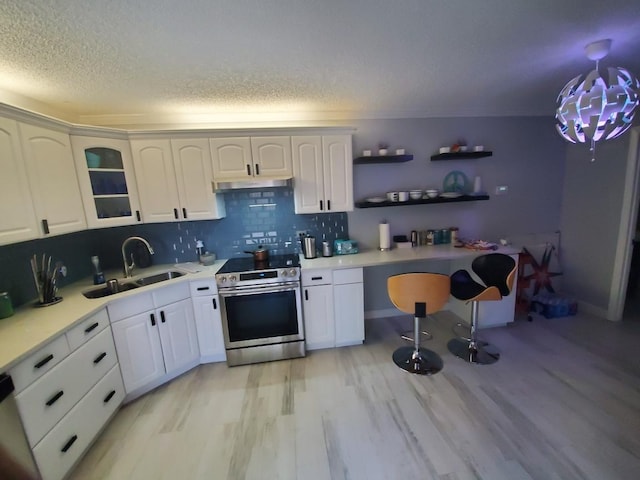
591 206
528 156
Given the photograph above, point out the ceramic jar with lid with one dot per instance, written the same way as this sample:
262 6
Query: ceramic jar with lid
6 307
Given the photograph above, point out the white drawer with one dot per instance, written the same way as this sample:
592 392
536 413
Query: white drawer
171 294
203 287
347 275
48 399
65 443
130 306
316 276
39 363
87 329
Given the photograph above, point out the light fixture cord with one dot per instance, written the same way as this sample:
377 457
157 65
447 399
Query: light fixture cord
593 142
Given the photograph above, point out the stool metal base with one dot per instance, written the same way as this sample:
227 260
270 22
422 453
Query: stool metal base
483 353
422 362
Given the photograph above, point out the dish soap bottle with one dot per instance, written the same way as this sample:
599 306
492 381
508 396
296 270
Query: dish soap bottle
98 276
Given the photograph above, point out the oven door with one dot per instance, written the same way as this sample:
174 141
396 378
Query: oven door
261 315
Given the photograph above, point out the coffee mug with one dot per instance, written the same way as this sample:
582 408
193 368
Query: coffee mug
403 196
392 196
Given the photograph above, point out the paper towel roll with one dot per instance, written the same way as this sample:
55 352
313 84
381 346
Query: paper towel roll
477 185
385 236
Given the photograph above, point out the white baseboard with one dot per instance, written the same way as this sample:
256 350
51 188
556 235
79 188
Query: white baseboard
386 312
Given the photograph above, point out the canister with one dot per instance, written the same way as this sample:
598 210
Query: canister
445 235
6 308
327 249
454 234
430 237
437 237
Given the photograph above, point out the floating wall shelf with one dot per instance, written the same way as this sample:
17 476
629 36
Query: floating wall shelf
424 201
460 155
382 159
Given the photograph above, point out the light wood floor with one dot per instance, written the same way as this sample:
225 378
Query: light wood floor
562 403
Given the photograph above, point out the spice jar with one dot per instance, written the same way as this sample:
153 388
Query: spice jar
454 234
6 308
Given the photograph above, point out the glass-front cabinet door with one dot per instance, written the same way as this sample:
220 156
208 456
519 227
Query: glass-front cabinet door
107 181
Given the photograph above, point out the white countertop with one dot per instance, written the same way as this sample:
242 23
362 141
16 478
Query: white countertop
32 327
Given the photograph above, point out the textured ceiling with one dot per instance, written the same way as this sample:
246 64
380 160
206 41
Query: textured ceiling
122 62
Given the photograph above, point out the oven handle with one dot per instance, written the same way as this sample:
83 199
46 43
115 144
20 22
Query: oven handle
256 290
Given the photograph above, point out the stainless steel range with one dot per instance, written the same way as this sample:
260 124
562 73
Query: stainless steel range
261 309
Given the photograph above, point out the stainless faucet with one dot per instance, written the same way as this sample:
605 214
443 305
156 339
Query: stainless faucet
128 269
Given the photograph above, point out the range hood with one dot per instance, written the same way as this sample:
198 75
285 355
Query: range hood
252 183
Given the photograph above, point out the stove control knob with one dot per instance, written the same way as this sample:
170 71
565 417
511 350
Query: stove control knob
233 278
283 273
293 272
222 280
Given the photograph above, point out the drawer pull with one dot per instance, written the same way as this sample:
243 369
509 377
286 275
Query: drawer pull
91 328
201 289
316 278
44 361
55 398
100 357
109 397
215 305
67 445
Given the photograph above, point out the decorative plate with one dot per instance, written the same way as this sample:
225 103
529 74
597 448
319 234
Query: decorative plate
450 194
376 199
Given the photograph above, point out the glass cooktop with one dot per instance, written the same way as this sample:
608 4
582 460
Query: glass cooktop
247 264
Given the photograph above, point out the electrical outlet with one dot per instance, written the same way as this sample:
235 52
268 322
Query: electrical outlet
502 190
301 233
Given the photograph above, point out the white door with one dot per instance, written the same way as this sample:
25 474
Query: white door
156 179
139 351
209 327
349 313
194 177
231 158
53 180
319 326
271 157
178 335
17 216
338 172
107 181
308 190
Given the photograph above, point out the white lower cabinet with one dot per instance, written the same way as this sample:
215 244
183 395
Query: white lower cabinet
333 307
206 308
62 446
154 345
348 306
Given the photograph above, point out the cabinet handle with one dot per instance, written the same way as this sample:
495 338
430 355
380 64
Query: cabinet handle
184 212
91 327
249 170
257 169
316 278
306 294
99 358
67 445
162 316
153 320
215 304
109 397
328 205
45 226
44 361
55 398
202 289
321 206
138 215
175 213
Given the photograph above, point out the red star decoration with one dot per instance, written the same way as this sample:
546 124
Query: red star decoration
541 275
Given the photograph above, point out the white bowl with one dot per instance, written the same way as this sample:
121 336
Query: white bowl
432 193
415 195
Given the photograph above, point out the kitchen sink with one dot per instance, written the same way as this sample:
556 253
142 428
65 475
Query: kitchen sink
158 277
106 290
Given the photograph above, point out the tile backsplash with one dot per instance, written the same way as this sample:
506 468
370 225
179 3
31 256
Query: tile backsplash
254 217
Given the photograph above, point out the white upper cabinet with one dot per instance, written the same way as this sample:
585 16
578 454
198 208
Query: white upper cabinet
175 180
17 216
251 157
323 172
53 181
194 177
107 181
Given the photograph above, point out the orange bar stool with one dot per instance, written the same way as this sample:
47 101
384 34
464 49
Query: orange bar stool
498 272
420 294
